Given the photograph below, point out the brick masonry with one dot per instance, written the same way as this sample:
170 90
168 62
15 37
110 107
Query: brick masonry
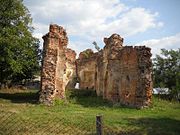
118 73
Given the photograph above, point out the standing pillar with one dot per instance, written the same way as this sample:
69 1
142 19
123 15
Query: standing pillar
53 64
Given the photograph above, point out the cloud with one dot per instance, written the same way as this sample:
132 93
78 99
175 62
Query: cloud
171 42
133 21
91 20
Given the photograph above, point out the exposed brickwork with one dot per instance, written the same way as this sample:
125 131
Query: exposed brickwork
70 74
121 74
118 73
85 69
56 60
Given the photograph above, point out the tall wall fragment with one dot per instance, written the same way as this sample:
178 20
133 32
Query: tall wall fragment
70 75
85 69
55 54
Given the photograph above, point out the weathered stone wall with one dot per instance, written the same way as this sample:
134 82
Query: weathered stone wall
70 74
56 60
121 74
145 85
86 69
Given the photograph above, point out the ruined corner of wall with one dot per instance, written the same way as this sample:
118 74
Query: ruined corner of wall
57 66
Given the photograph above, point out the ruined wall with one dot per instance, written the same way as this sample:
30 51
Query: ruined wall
54 77
70 75
121 74
145 85
127 73
86 69
118 73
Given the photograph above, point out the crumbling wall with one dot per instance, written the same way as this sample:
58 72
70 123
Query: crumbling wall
113 46
127 73
100 73
121 74
124 75
70 75
145 85
86 69
117 73
54 77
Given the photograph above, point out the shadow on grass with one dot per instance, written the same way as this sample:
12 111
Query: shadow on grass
88 98
22 97
157 126
147 126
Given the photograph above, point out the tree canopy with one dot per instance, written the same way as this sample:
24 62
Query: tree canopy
19 50
167 70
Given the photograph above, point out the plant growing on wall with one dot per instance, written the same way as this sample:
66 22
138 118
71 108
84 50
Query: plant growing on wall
96 46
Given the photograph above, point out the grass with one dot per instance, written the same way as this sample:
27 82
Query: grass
20 110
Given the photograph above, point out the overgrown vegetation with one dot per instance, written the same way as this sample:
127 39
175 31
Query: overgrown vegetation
79 112
19 50
96 46
167 71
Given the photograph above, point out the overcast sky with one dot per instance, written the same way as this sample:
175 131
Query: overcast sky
154 23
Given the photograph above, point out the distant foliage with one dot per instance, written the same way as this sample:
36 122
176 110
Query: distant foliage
19 50
167 71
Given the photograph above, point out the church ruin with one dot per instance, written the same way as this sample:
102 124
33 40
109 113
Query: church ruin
58 66
117 73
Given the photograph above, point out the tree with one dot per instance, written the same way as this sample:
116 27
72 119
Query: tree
19 50
96 46
167 70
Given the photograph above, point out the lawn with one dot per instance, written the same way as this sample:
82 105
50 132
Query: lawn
20 113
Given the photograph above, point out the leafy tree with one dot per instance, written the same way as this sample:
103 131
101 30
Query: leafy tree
167 70
19 50
96 46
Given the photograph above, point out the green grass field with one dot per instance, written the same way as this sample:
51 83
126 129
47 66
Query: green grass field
20 113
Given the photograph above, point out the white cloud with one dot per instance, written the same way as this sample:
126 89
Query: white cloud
133 21
79 46
171 42
41 28
91 19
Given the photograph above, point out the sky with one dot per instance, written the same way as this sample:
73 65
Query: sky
154 23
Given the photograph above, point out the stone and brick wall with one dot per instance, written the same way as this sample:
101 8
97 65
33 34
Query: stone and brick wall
121 74
86 69
57 65
70 75
117 73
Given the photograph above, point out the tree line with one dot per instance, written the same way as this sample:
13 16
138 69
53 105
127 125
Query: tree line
166 71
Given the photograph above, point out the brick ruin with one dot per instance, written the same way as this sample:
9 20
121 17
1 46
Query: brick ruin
118 73
58 66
